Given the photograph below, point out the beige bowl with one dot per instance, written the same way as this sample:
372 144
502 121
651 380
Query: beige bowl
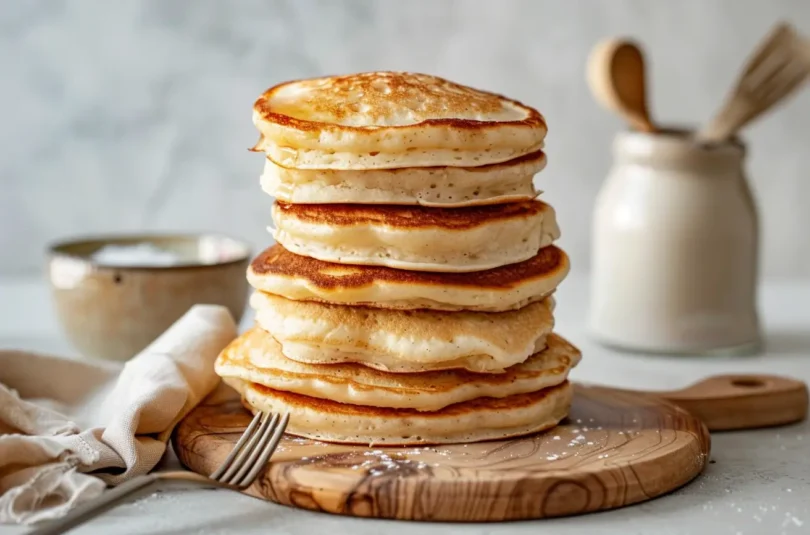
114 295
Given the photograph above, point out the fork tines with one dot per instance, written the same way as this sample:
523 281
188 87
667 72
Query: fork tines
252 451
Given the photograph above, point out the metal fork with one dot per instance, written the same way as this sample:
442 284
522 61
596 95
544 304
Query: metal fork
242 466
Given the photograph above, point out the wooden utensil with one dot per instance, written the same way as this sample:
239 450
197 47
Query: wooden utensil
775 70
617 447
615 74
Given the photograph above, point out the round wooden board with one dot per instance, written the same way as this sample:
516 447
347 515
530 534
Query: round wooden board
615 449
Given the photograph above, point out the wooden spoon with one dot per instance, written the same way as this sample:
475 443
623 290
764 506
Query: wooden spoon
615 74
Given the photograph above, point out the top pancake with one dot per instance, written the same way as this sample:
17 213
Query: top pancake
296 277
384 120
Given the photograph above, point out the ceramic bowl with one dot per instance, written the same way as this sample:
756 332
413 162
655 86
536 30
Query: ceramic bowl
114 295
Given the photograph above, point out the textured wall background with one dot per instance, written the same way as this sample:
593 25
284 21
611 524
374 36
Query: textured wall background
132 115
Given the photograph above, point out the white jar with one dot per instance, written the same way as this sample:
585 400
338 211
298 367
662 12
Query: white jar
675 248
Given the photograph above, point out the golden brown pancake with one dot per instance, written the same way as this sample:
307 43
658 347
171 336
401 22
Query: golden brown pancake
382 94
296 277
404 341
383 120
470 421
256 357
410 217
442 186
417 238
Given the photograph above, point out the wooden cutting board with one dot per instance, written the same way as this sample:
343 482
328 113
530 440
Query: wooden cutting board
617 447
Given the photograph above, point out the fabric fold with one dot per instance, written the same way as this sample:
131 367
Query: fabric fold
69 428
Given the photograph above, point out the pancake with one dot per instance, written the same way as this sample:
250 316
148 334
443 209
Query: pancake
470 421
256 357
447 187
415 237
400 341
297 277
385 120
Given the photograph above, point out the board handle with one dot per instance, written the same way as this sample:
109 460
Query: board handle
727 402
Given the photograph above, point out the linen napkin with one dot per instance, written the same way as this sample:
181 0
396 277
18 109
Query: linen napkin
70 428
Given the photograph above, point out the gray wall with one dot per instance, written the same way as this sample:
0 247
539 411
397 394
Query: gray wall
127 115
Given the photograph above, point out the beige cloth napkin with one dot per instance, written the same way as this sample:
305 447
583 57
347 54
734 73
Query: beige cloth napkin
69 428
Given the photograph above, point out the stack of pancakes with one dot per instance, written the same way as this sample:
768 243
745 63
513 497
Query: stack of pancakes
409 296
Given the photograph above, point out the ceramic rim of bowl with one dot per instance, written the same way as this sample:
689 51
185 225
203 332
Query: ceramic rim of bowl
82 248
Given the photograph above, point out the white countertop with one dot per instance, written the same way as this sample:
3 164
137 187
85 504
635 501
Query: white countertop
758 482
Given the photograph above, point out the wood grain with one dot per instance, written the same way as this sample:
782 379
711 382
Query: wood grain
748 401
776 68
615 449
727 402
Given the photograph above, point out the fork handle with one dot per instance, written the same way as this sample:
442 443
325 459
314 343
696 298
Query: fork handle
93 508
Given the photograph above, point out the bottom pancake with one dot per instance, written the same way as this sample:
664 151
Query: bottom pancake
470 421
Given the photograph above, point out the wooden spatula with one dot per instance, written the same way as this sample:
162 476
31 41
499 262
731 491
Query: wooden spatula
775 70
615 75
